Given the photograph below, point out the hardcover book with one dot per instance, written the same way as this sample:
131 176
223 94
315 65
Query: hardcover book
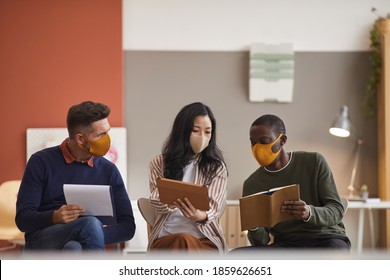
263 209
170 190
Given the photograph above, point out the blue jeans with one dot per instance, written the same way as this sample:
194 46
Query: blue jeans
84 233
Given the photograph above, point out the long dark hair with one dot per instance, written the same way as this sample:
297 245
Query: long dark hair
177 151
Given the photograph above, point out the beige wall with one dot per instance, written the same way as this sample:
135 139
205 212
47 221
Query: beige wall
223 25
159 84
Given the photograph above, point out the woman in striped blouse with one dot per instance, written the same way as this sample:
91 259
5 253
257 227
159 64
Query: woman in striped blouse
190 154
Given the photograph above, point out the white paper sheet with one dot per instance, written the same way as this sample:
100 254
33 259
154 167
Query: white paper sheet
95 199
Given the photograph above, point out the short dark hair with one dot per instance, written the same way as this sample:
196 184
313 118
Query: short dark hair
81 116
272 121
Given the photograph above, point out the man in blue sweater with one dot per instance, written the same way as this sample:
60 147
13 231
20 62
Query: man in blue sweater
41 210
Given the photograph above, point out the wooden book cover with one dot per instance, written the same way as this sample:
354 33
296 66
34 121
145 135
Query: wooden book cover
170 190
263 209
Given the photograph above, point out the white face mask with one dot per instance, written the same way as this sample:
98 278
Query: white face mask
199 143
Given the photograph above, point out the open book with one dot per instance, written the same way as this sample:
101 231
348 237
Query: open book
263 209
170 190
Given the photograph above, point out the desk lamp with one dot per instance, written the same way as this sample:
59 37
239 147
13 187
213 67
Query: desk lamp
342 127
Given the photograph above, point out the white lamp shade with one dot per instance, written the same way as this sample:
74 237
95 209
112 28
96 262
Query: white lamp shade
341 126
340 132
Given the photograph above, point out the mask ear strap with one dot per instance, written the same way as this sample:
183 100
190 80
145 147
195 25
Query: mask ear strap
79 138
279 137
280 145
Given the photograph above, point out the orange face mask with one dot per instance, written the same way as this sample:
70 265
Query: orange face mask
99 147
263 152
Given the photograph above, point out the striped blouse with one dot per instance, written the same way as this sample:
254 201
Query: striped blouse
211 228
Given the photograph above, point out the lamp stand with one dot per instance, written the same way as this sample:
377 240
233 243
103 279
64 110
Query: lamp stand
351 186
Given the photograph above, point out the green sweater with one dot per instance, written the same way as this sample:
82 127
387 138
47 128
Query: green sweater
317 189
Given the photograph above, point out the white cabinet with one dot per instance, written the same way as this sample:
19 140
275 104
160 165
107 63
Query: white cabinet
231 225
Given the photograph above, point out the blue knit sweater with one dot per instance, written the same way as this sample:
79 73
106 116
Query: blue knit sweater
41 192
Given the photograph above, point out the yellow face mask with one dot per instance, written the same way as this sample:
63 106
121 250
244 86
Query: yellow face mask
99 147
263 152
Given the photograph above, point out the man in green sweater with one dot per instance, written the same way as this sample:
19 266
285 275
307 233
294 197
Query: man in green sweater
317 217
